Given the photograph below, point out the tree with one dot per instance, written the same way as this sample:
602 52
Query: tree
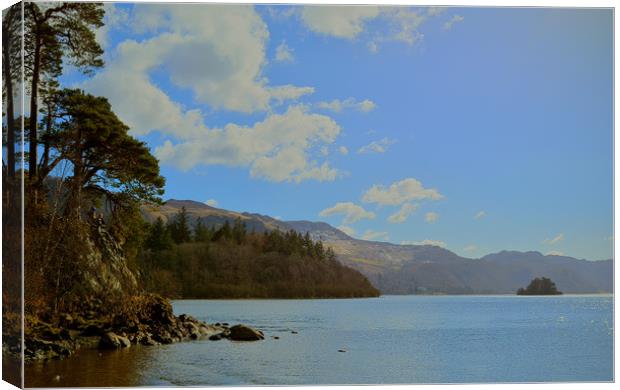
53 32
179 227
105 159
201 233
159 237
11 52
540 286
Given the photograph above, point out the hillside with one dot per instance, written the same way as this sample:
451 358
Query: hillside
421 269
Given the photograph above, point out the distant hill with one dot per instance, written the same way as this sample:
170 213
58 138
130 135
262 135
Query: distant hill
421 269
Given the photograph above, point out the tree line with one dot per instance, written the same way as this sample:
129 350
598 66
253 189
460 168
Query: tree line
227 261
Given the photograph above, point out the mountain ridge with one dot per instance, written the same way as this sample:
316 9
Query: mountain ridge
418 269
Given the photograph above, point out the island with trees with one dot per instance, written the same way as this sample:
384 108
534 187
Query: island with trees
540 286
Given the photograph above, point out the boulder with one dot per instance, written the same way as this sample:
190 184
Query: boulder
244 333
111 340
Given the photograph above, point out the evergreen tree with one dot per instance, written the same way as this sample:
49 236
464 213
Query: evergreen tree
201 233
159 237
179 228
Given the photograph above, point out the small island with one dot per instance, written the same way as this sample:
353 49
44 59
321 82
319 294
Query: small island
540 286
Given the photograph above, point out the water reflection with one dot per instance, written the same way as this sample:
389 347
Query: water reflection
93 368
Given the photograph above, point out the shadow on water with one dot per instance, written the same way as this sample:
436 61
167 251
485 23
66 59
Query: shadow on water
93 368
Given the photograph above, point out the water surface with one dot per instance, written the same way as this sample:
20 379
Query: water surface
391 339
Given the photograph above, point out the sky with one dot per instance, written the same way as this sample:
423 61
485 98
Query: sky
476 129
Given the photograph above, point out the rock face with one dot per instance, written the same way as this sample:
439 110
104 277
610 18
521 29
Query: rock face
245 333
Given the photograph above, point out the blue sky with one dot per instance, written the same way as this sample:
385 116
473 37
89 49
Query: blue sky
478 129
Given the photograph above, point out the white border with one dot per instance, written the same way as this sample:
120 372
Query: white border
475 3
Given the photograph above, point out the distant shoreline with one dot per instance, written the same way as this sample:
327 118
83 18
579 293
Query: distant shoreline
393 295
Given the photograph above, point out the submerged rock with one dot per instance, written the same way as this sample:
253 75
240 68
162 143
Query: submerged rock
245 333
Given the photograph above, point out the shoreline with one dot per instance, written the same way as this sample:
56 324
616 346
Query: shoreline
390 295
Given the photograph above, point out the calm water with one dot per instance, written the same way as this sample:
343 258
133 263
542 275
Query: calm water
392 339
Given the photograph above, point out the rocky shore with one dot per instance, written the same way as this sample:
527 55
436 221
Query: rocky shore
151 322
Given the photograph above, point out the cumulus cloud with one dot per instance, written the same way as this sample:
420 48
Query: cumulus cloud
554 240
349 231
350 211
349 22
480 214
343 150
284 53
431 217
401 215
212 203
380 146
371 235
338 21
114 17
222 67
337 105
438 243
400 192
276 149
195 45
455 19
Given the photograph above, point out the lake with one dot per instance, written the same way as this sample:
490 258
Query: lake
391 339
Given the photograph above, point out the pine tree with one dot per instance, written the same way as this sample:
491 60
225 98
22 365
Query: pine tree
159 237
179 228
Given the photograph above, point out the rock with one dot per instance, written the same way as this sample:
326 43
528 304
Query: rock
294 332
215 337
111 340
276 338
244 333
342 350
163 337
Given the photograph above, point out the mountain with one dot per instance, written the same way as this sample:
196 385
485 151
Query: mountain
420 269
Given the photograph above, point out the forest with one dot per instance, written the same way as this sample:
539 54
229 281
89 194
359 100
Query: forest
230 262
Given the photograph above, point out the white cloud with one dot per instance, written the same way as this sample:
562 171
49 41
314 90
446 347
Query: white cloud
198 49
438 243
480 214
348 22
380 146
400 192
351 212
431 217
212 203
554 240
371 235
113 18
455 19
284 53
276 149
401 215
339 105
470 248
555 253
338 21
349 231
343 150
